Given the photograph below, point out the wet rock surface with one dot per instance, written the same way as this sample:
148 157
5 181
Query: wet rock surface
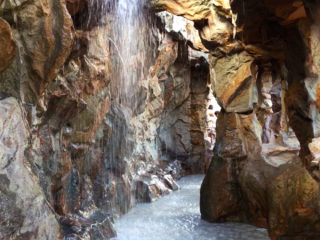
24 211
104 105
91 113
266 84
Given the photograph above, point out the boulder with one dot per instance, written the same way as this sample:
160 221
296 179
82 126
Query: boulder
261 184
150 187
234 82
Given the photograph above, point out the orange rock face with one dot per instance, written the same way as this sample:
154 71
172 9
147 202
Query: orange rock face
7 45
47 41
234 82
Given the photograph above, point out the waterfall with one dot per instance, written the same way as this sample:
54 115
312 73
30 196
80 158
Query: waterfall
132 45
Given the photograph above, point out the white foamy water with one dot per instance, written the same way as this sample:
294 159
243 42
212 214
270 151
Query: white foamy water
177 217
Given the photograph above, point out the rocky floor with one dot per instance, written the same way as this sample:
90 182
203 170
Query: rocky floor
177 216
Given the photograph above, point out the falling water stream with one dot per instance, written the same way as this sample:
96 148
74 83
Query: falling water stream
132 44
177 217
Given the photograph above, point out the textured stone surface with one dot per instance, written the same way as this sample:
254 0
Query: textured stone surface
46 43
213 19
24 211
96 143
105 119
184 28
75 6
240 94
243 167
257 153
7 45
318 97
193 10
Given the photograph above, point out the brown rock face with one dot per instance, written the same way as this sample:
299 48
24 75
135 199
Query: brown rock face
65 110
261 184
240 94
90 138
7 45
98 109
46 42
268 87
75 6
294 205
183 117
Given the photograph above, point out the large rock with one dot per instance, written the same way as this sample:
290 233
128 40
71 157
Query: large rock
213 19
234 82
182 28
183 120
221 181
218 32
261 184
284 197
219 192
44 41
150 188
24 211
82 93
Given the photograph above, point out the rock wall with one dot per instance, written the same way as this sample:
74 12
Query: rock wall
89 125
94 119
264 74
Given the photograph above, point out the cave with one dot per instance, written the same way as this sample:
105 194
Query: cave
159 119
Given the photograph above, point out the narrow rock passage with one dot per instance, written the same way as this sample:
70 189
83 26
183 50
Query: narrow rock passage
177 217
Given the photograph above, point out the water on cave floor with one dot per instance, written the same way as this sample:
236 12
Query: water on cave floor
177 217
